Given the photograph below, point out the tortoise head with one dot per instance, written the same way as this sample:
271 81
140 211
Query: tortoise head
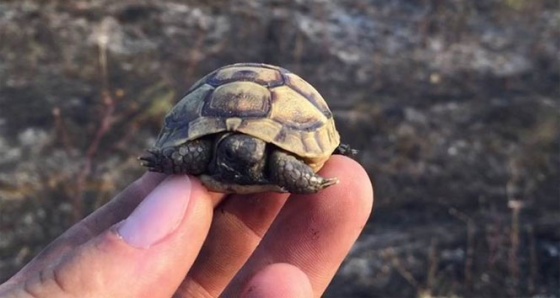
240 159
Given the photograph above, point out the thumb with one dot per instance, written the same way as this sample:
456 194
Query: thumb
146 255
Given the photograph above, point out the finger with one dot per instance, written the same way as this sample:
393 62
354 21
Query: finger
123 204
315 232
114 211
111 213
146 255
278 280
237 228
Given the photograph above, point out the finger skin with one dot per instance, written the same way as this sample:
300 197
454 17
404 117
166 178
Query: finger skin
278 281
239 224
294 238
107 266
315 232
111 213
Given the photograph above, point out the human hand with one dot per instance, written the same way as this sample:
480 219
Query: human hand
168 236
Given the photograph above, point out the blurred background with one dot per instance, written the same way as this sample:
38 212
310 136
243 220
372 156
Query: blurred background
454 106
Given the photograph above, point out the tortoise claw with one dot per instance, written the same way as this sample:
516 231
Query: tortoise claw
329 182
153 151
150 160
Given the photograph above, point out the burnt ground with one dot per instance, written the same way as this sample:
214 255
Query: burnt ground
454 106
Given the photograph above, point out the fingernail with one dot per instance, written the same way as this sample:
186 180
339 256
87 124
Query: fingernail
159 214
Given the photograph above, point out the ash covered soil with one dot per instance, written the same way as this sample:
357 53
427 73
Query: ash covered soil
454 106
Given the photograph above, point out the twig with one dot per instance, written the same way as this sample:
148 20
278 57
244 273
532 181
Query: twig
433 263
471 232
105 125
513 192
60 128
533 265
513 263
401 269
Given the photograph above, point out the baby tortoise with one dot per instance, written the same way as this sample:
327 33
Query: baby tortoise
247 128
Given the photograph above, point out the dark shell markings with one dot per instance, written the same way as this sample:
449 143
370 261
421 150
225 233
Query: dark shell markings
262 127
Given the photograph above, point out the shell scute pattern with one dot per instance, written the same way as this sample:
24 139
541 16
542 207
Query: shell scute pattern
264 101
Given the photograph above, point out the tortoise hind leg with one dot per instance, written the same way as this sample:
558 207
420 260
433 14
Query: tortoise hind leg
294 175
345 149
192 157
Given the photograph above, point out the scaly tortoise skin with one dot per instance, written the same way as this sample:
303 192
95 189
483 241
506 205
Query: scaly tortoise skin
247 128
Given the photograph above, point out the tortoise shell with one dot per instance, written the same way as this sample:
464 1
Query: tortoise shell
260 100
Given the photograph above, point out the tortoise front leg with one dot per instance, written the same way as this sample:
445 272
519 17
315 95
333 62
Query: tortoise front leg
294 175
192 157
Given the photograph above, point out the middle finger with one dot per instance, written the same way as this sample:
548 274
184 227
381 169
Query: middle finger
238 226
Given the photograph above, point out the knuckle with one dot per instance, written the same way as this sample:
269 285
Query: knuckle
47 283
59 282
